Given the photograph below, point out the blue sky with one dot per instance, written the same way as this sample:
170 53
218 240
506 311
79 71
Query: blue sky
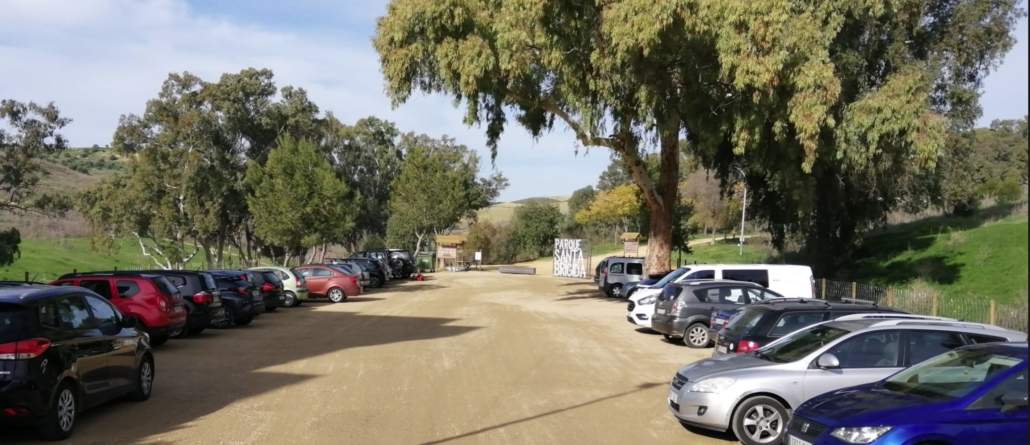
98 59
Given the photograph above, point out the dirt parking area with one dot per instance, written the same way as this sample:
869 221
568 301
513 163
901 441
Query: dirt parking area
474 357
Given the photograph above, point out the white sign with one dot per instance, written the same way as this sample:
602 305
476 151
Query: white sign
568 258
479 256
447 253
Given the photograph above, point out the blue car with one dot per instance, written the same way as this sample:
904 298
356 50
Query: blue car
971 395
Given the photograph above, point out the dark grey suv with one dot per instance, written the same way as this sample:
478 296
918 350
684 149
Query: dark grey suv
684 310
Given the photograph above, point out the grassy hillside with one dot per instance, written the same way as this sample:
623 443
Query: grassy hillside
502 212
985 254
46 259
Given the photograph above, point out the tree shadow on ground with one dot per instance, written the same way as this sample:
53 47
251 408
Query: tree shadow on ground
201 376
589 294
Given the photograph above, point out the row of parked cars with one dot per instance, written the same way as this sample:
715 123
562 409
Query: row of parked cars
86 338
788 368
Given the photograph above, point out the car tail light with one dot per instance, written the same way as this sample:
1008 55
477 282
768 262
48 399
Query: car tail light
203 298
163 305
24 349
16 412
244 292
267 287
746 346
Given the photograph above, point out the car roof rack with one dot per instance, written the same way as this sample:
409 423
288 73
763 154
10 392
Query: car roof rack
952 323
858 301
891 316
794 300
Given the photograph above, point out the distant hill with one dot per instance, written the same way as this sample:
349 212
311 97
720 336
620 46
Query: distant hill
503 212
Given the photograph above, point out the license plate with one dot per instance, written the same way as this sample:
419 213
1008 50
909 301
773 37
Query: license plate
660 311
674 397
722 349
791 440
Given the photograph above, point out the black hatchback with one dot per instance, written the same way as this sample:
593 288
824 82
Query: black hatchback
64 349
759 324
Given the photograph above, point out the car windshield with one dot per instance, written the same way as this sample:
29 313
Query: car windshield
800 344
672 276
950 375
742 322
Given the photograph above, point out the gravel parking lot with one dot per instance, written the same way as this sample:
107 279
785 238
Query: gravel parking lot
475 357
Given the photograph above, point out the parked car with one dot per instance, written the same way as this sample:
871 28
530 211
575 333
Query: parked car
651 282
683 310
641 304
242 300
787 280
376 274
753 394
269 287
405 260
972 395
295 290
616 272
65 349
326 282
364 279
203 304
151 300
758 324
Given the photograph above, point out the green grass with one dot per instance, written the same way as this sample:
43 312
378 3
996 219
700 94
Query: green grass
726 252
47 259
957 256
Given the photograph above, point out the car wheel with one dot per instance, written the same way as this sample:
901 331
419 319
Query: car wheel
696 336
60 420
615 290
336 295
185 331
144 380
760 421
289 299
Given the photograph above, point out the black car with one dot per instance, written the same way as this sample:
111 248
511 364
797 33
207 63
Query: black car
683 310
405 262
376 273
271 294
242 300
759 324
203 304
64 349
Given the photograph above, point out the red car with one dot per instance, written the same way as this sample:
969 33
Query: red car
328 282
151 300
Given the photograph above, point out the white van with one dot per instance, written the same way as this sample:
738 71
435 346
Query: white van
791 281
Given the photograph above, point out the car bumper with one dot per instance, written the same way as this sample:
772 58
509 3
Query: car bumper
668 325
302 294
704 410
21 395
640 317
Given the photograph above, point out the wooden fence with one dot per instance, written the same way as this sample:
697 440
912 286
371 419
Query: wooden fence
975 308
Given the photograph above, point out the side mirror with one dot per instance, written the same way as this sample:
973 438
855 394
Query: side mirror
1013 401
827 361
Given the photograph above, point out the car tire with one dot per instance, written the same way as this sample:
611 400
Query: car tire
59 421
760 420
336 295
197 331
185 331
697 336
144 384
669 338
289 299
614 290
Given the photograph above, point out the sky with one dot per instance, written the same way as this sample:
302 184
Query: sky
99 59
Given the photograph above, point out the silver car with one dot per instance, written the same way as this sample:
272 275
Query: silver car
753 394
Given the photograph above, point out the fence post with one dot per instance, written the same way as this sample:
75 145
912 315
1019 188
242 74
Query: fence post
824 289
26 276
890 296
993 312
933 308
854 289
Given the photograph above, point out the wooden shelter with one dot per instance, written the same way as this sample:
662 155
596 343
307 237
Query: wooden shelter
450 251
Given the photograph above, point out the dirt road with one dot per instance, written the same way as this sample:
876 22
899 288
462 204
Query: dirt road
475 357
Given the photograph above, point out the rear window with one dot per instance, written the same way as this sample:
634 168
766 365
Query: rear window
634 268
127 289
758 276
740 325
164 285
792 321
101 287
209 281
13 322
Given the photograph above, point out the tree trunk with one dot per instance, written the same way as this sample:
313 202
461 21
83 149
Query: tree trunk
662 200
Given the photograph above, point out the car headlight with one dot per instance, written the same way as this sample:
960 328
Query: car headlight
646 300
717 384
861 434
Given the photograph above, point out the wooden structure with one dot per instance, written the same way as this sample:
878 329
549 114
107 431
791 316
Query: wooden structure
450 251
630 243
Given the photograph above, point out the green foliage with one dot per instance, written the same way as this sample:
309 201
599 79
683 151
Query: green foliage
9 241
436 187
27 133
828 105
613 207
494 240
985 163
296 199
533 230
88 160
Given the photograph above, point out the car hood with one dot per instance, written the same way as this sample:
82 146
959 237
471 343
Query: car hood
869 404
644 292
716 365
